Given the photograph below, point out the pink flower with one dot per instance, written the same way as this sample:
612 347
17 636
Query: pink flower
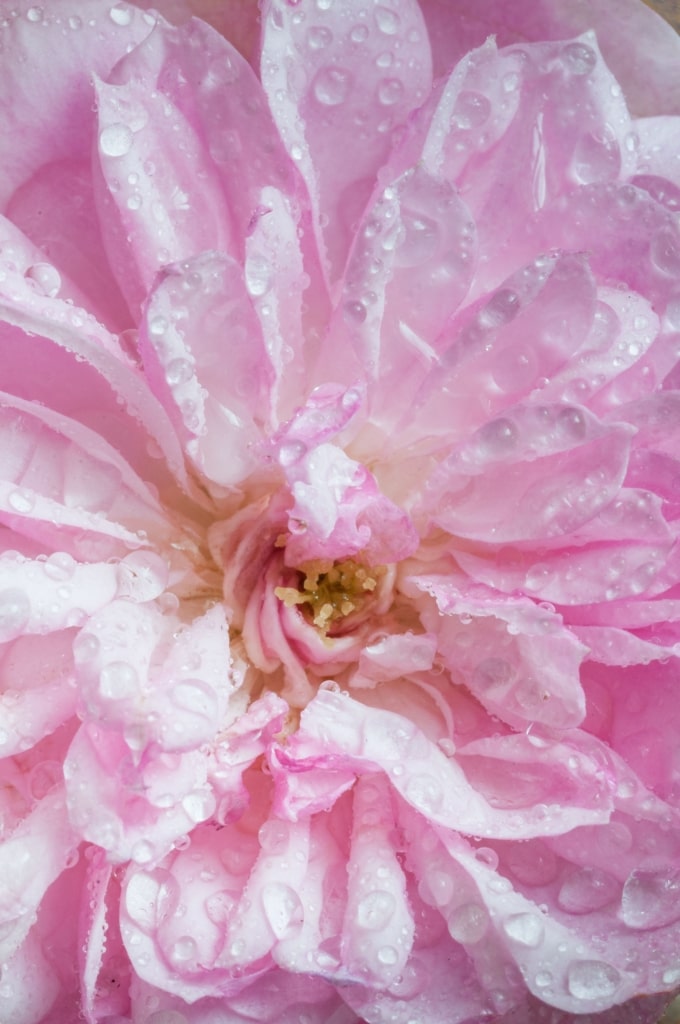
339 497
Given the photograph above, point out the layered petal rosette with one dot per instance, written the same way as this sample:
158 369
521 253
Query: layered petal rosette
339 513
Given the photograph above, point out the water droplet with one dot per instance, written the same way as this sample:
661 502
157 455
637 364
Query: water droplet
596 158
497 438
34 14
388 21
22 501
259 276
115 140
413 980
120 14
359 34
178 371
319 37
579 58
142 852
118 681
45 277
572 422
592 979
388 956
420 239
15 611
291 452
183 949
195 696
60 566
151 897
354 311
158 325
425 793
651 899
375 910
390 91
331 86
273 836
283 908
470 110
525 929
502 307
664 251
441 886
586 890
468 923
75 22
198 805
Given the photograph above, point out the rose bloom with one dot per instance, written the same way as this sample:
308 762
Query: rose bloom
339 499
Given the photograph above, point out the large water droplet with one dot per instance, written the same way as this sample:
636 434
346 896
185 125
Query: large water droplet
151 897
60 566
331 86
120 14
142 576
45 278
115 140
425 793
525 929
388 21
592 979
118 681
283 908
470 110
596 159
664 251
183 949
468 923
651 899
15 611
390 91
375 910
579 58
587 889
259 276
319 37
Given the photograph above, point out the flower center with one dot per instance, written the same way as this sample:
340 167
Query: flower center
332 590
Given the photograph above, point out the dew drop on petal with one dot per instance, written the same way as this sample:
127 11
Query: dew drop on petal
390 91
331 86
282 907
468 923
592 979
120 14
34 14
115 140
45 277
664 251
21 501
183 949
319 37
651 899
60 566
375 910
388 956
471 110
387 20
15 611
587 889
118 681
579 58
525 929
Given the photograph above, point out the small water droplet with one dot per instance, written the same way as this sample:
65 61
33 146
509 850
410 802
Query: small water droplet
664 251
259 276
183 949
60 566
388 956
34 14
120 14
